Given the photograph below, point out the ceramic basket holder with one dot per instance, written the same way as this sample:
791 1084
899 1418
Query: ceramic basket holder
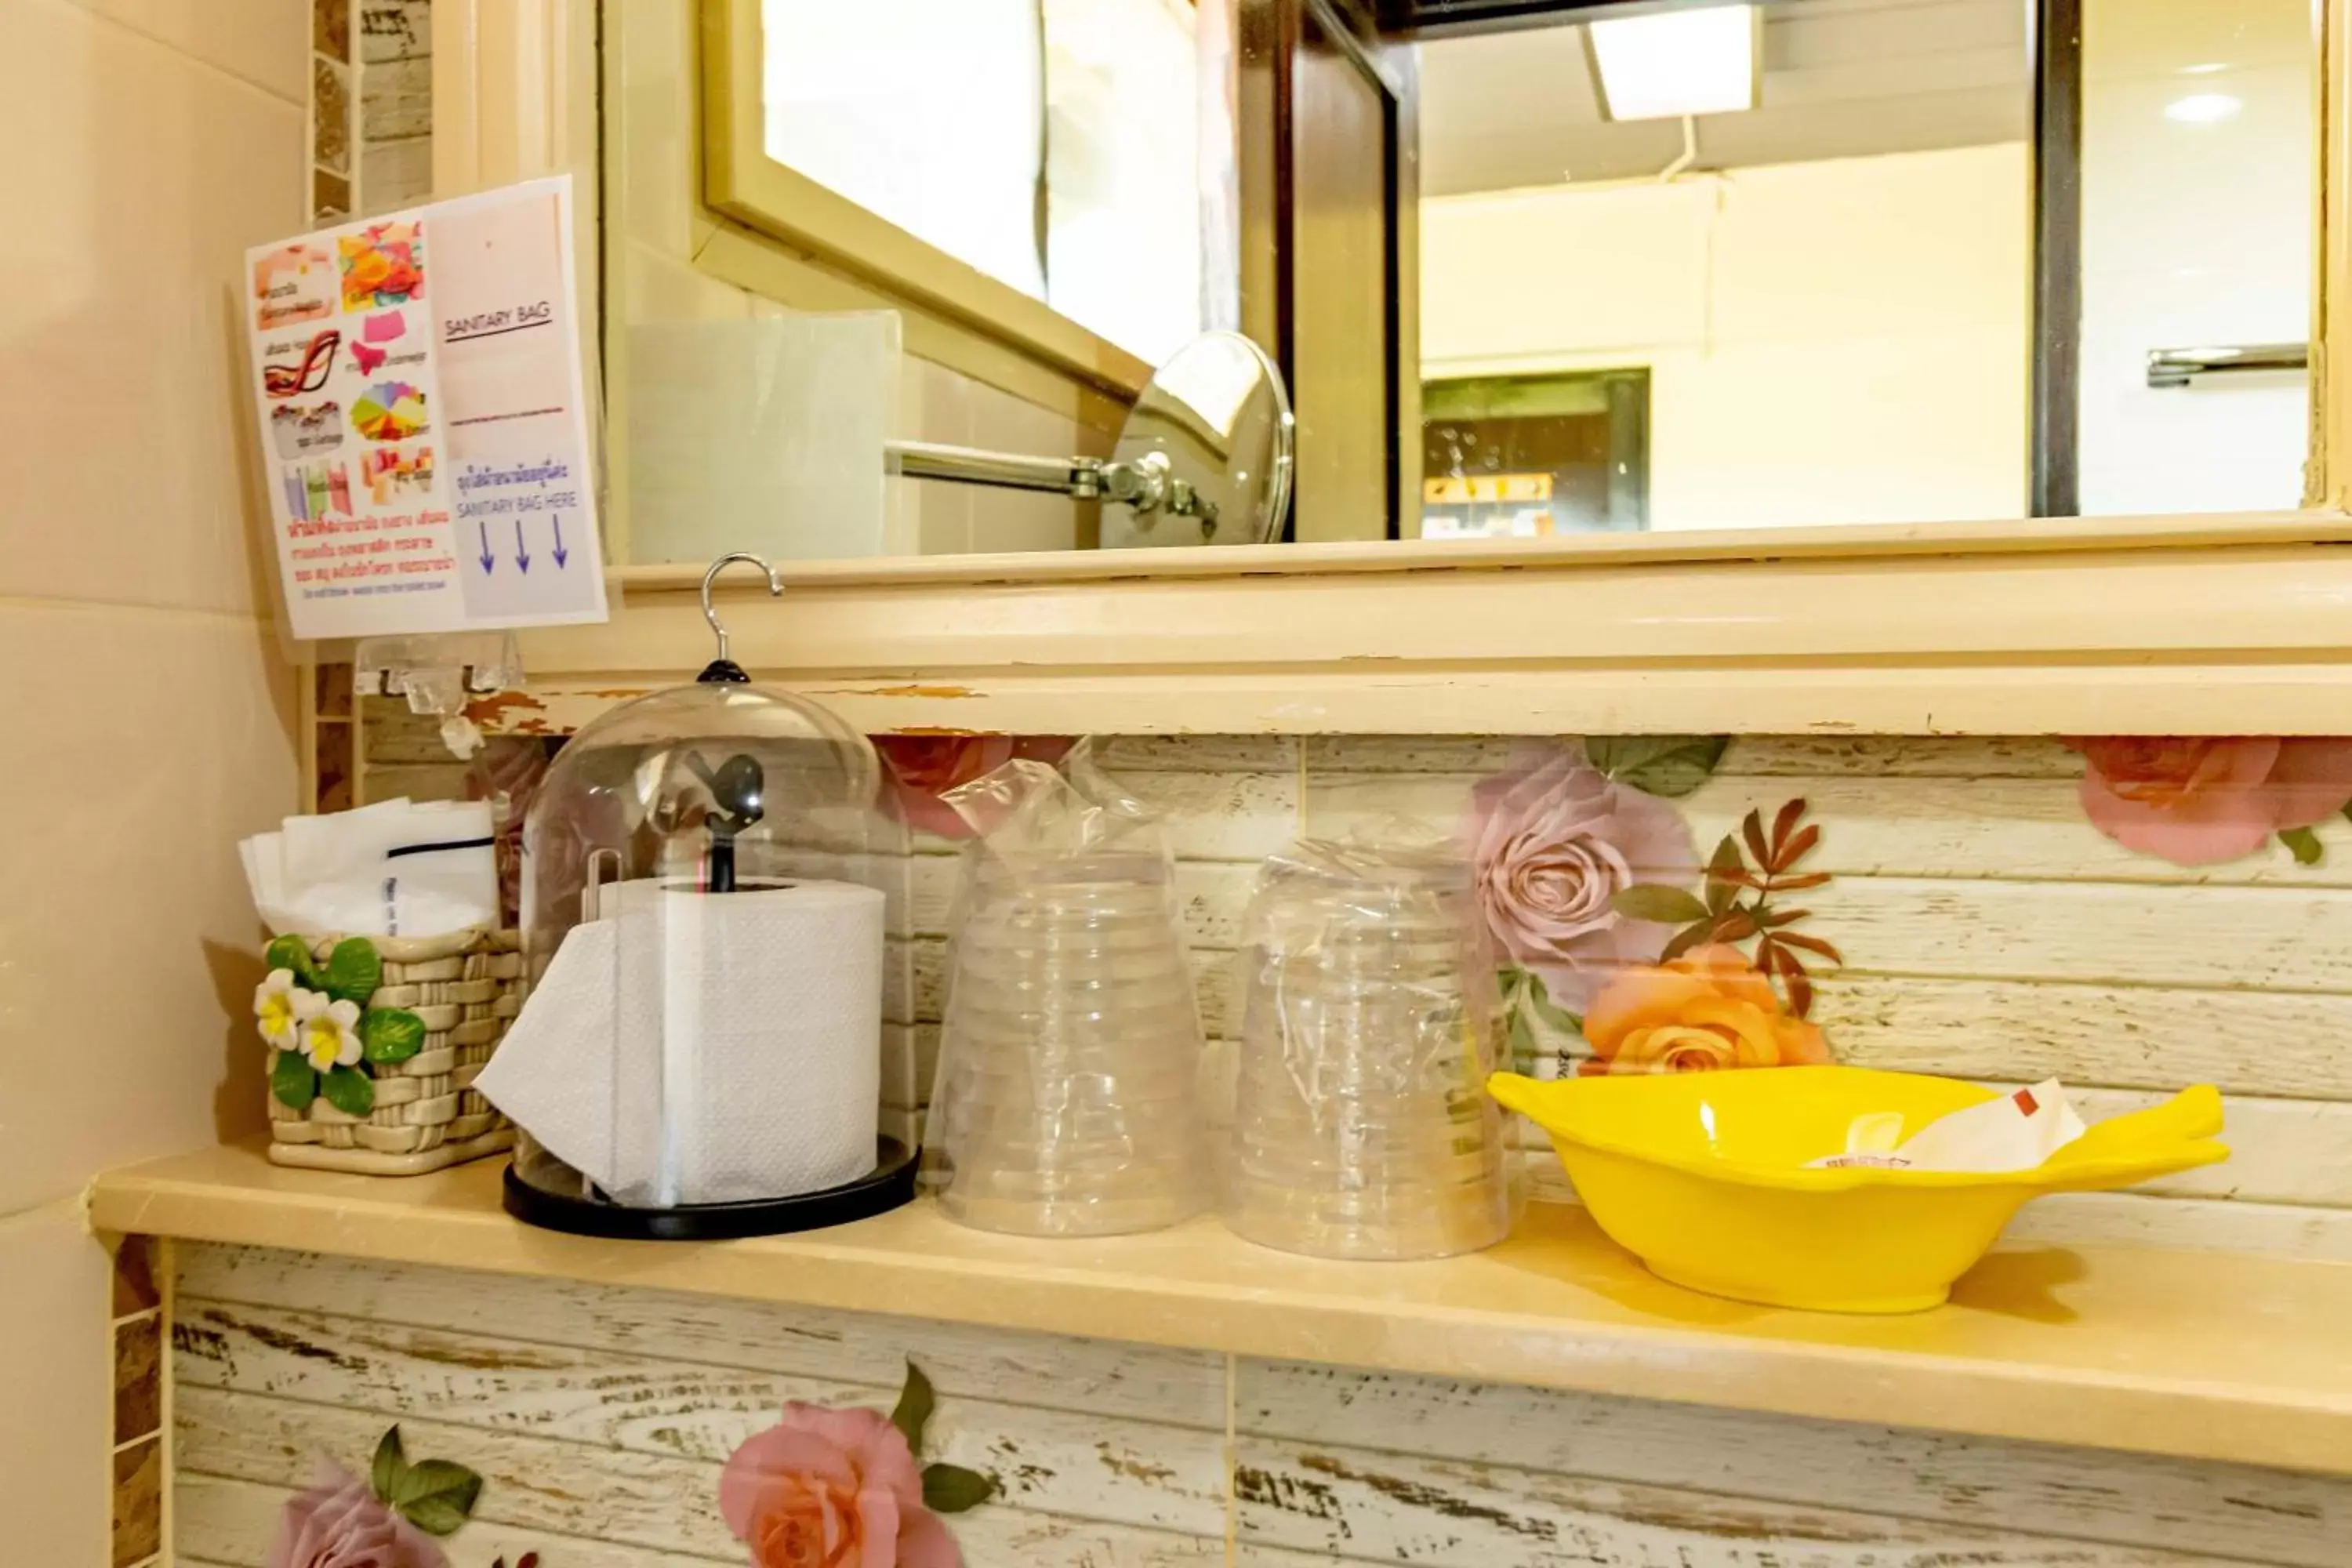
467 987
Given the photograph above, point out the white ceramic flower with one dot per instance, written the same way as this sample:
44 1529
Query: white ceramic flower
274 1002
329 1030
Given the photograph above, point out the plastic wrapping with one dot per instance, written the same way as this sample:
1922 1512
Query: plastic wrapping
1068 1097
1361 1126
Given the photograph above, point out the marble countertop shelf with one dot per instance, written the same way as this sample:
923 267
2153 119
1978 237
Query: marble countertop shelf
2200 1355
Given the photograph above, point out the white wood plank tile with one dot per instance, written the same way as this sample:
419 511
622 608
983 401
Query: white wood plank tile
1309 1425
1045 1370
233 1523
1077 1464
1377 1507
656 1503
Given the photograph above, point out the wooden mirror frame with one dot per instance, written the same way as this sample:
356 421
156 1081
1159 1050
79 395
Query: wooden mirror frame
2225 623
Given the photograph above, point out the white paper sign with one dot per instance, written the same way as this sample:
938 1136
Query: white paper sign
425 418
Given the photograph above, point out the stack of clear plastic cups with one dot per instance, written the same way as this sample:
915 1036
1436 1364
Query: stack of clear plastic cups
1362 1124
1068 1097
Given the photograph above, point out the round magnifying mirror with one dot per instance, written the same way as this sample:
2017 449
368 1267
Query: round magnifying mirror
1205 455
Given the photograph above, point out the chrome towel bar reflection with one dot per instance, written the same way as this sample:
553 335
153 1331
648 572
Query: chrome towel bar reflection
1210 440
2178 367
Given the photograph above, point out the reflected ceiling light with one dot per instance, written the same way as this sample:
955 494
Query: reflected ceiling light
1674 63
2202 108
2208 67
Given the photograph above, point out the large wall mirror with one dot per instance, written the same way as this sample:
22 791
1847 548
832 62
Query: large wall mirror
1527 270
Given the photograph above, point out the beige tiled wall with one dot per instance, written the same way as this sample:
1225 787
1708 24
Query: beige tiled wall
152 140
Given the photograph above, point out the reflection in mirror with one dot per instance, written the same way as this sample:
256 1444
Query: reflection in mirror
1528 268
2197 212
1215 422
1810 227
1056 145
1527 455
1205 456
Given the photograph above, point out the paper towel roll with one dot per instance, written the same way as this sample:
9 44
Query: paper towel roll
696 1047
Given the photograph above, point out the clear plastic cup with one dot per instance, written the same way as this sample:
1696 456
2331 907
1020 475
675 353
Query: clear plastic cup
1361 1128
1068 1097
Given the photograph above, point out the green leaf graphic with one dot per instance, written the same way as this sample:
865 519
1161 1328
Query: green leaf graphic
1723 873
913 1409
391 1464
2303 844
1550 1012
1523 1044
435 1495
1668 906
1669 765
950 1488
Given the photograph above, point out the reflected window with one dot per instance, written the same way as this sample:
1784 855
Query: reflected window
1527 456
1055 146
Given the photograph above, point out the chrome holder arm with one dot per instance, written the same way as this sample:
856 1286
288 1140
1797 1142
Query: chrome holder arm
2178 367
1145 484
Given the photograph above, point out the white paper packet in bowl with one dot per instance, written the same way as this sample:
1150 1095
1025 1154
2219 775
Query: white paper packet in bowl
2014 1131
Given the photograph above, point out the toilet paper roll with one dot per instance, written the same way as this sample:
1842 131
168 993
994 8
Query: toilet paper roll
696 1047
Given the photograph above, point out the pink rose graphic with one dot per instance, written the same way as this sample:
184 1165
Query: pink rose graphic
2195 801
833 1488
340 1524
921 768
1552 841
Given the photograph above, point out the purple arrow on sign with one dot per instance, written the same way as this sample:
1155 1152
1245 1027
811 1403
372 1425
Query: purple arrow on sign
522 556
561 554
482 532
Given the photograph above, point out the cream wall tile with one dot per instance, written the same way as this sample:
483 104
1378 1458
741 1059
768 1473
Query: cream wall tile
131 947
267 42
1016 520
663 289
54 1364
652 122
935 404
139 177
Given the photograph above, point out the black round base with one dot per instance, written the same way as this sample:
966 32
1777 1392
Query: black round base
891 1184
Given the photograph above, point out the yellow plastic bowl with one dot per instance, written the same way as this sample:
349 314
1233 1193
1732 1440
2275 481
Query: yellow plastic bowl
1703 1176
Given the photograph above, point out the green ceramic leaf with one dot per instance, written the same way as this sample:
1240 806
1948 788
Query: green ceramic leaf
292 1080
350 1090
1668 906
950 1488
353 970
292 953
391 1464
389 1035
2303 844
1669 765
913 1409
436 1496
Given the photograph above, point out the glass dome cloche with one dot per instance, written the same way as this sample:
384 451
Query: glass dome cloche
702 911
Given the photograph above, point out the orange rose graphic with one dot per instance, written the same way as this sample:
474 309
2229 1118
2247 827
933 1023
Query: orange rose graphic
1707 1009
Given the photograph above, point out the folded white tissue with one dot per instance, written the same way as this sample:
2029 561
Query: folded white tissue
399 868
696 1047
2014 1132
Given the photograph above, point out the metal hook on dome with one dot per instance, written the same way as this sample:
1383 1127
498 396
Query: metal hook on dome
724 668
